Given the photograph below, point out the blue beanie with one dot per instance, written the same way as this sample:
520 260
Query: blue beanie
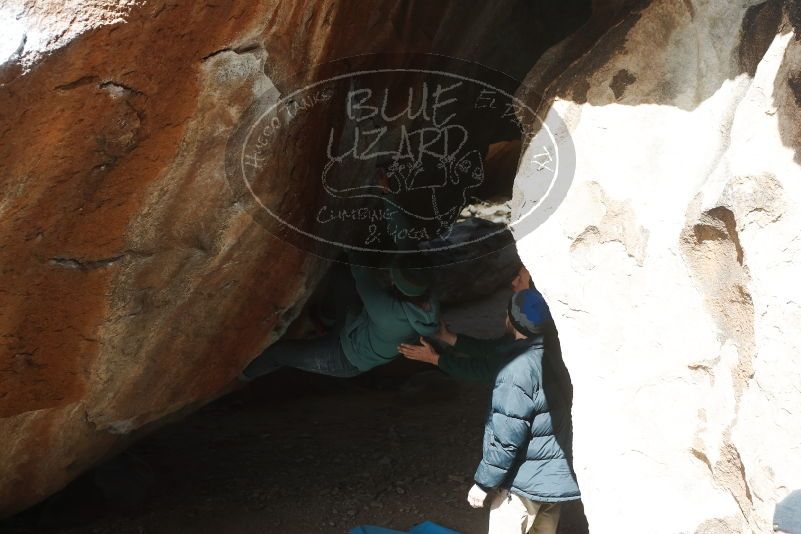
528 312
787 517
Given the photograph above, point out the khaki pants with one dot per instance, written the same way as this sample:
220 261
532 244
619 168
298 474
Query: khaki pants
512 514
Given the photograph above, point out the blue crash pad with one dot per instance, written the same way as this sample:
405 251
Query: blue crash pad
369 529
423 528
431 528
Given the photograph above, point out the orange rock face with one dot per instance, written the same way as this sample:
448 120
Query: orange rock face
135 284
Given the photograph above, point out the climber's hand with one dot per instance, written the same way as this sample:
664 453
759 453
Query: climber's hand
381 179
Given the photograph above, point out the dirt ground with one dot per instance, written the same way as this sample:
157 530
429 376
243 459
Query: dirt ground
294 453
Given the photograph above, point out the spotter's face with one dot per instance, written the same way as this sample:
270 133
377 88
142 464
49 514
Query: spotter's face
522 280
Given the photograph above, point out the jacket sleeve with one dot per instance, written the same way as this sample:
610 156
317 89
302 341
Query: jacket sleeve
472 369
375 297
509 429
473 346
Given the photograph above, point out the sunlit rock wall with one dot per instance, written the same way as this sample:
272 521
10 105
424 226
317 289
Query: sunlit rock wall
673 265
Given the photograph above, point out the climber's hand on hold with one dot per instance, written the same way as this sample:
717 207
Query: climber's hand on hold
382 179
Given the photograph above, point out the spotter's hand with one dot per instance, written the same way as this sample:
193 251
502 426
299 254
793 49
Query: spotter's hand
423 352
476 497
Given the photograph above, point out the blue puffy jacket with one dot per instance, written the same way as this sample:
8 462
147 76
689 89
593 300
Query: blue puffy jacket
528 434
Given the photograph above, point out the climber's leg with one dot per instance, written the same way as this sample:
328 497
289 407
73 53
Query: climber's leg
321 355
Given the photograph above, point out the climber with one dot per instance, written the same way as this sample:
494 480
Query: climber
526 463
392 313
472 359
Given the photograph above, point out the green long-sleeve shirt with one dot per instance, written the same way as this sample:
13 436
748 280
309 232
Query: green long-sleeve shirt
479 360
371 337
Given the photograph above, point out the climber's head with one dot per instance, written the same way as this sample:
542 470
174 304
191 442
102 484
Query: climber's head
411 278
528 313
